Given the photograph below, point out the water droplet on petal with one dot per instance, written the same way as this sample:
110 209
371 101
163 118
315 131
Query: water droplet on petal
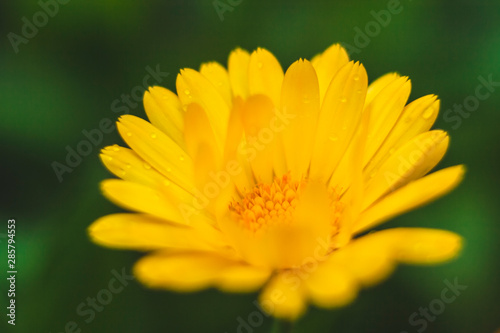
356 78
147 166
129 133
128 166
343 99
260 65
187 92
169 170
122 173
116 148
181 158
110 158
153 135
333 138
166 183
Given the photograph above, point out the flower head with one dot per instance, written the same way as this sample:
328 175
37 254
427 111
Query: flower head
250 178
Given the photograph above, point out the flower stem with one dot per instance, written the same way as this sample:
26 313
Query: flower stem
282 326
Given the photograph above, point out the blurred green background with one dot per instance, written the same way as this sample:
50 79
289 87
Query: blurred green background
64 80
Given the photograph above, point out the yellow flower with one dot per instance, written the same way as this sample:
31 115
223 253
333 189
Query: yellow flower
250 178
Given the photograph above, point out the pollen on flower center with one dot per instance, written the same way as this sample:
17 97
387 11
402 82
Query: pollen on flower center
274 203
266 202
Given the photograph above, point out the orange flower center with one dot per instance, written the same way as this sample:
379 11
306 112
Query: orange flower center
274 202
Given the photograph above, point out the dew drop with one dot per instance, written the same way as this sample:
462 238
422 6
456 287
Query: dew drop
359 91
260 65
166 183
428 113
123 173
128 166
147 166
181 158
110 158
356 78
333 138
306 99
187 92
169 170
343 99
129 133
116 148
153 135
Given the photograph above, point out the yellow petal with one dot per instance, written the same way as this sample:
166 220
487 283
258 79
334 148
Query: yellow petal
414 194
339 119
376 86
241 277
235 161
140 198
218 76
411 161
164 110
198 132
157 149
300 98
192 87
259 146
265 75
327 65
197 270
385 109
238 72
283 299
417 117
126 164
331 286
145 232
417 245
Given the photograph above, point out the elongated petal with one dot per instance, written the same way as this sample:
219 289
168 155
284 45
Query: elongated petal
415 245
385 109
265 75
126 164
417 118
238 72
192 271
193 87
157 149
410 162
331 286
140 198
145 232
376 86
327 65
219 77
300 97
339 119
415 194
257 115
283 299
164 110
